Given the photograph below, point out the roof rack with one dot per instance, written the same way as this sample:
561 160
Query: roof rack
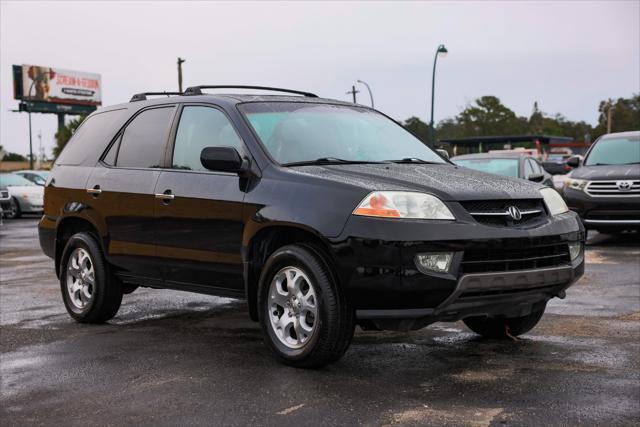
143 95
197 90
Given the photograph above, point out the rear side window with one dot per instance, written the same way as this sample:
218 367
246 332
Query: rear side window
201 127
91 138
143 141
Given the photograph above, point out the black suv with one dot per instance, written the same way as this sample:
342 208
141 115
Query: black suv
320 213
605 189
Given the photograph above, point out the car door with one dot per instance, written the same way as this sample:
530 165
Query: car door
199 212
122 187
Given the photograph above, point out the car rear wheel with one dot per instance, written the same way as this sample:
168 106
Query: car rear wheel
304 315
13 212
496 327
89 293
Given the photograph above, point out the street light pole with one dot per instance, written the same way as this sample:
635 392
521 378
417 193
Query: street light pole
443 51
368 89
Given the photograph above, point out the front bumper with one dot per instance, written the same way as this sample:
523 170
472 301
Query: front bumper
384 285
605 213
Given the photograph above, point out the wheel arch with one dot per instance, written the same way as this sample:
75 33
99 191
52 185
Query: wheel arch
265 242
69 226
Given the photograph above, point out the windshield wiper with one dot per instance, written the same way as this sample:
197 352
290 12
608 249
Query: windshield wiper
330 161
415 160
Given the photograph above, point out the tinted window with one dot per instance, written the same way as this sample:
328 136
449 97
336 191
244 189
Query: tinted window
201 127
91 138
615 151
143 140
504 167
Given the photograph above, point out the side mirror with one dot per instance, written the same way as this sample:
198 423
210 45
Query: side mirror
574 162
536 177
222 159
443 153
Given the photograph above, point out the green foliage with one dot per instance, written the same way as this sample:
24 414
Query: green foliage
64 134
487 116
625 115
418 127
11 157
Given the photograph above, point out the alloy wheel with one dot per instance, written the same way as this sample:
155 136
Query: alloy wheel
293 307
80 278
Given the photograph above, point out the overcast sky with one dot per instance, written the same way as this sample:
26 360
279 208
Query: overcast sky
566 55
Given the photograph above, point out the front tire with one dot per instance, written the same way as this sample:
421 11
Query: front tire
14 211
502 327
89 292
305 317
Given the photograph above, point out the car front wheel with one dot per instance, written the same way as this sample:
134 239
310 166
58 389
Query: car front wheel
497 327
13 212
304 315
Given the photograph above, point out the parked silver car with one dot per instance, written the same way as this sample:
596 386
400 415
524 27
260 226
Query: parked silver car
37 177
24 196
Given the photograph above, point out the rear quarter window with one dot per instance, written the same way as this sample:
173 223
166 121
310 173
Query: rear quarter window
91 138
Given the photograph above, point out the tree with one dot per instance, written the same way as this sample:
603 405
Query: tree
486 116
8 156
64 134
625 115
418 127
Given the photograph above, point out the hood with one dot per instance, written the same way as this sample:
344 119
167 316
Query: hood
607 172
448 182
36 190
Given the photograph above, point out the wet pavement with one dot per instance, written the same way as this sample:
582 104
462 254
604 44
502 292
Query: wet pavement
171 358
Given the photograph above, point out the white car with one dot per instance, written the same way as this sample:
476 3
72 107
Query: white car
24 196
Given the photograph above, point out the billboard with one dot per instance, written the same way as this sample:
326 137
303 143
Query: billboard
56 85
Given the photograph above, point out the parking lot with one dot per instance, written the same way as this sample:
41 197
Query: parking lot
173 358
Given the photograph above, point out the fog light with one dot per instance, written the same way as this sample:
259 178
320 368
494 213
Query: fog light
575 248
438 262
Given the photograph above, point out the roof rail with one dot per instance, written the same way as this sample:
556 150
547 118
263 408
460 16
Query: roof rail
143 95
197 90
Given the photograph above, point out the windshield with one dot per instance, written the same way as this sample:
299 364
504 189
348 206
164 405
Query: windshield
11 180
295 132
504 167
615 151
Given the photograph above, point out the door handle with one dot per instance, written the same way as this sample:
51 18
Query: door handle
166 196
95 191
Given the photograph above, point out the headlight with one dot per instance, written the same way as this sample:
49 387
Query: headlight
575 184
403 204
554 201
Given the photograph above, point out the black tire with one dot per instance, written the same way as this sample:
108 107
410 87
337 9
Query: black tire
14 211
502 327
335 321
106 291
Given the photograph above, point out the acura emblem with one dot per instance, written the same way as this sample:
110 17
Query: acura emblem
514 213
624 185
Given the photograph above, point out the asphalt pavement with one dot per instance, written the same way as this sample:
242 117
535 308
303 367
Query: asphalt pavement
172 358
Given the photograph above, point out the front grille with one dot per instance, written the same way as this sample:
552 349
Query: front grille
495 212
617 215
483 260
624 188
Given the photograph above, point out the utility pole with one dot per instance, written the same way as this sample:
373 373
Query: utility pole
180 61
609 114
353 92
